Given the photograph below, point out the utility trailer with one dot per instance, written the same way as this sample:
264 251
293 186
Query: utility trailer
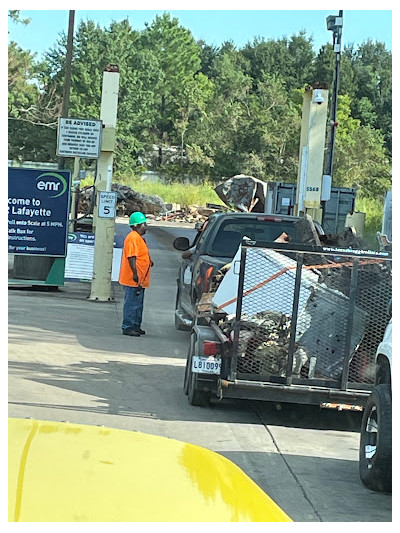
291 323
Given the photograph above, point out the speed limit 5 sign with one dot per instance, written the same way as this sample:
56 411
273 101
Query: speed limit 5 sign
107 204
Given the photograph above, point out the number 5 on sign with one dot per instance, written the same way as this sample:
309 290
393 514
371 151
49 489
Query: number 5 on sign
107 203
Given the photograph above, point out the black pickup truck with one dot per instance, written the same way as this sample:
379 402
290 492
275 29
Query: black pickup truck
216 244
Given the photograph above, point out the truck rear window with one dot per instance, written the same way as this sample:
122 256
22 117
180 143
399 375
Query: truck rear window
230 234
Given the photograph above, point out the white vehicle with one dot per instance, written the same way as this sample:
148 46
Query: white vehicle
375 465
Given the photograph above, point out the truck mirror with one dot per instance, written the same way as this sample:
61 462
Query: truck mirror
181 243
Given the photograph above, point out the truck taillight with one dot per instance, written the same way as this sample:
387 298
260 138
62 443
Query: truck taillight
269 218
211 348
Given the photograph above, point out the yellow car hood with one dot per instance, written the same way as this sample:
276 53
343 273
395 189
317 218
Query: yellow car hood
61 472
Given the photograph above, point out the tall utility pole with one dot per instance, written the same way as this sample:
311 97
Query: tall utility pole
105 227
334 24
67 82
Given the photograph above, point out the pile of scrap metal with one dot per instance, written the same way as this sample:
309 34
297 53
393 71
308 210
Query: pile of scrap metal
128 201
263 342
264 327
243 193
190 214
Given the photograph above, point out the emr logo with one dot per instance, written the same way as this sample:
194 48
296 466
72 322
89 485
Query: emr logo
52 182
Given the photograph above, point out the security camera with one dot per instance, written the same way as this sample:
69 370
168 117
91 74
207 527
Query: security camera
318 97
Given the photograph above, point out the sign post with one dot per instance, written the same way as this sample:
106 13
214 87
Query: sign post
105 225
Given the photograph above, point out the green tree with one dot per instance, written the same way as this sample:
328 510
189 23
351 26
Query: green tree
372 67
360 159
192 110
289 58
15 16
94 48
178 57
216 137
31 129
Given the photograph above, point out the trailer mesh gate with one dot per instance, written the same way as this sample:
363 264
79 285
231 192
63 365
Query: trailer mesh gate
310 315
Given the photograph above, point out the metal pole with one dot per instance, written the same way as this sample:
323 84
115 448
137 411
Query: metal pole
337 38
349 326
67 82
239 302
293 322
74 195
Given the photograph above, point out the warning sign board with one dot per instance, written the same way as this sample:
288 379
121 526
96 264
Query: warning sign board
79 138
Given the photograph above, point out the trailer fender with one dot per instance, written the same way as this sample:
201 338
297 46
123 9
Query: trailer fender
203 334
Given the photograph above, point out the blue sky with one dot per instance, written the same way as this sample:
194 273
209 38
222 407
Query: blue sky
216 25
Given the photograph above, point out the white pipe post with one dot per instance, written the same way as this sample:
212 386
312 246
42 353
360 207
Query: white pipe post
311 153
105 227
109 177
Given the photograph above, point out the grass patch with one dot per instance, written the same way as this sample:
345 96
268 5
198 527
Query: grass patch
373 220
179 193
183 194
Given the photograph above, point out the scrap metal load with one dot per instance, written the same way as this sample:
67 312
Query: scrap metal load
191 214
243 193
327 300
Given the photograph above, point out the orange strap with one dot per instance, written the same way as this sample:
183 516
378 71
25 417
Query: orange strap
307 267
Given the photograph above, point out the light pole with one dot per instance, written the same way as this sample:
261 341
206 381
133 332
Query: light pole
335 24
67 81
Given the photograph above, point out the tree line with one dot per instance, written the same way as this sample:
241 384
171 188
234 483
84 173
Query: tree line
187 108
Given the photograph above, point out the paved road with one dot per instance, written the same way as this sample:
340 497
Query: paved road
68 361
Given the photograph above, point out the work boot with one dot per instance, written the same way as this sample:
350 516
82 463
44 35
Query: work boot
130 332
141 332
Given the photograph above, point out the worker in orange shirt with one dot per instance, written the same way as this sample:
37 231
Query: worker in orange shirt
134 275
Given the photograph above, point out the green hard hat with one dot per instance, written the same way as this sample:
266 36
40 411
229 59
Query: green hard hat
137 218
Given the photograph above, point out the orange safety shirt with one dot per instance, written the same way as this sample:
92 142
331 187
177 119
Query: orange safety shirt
135 246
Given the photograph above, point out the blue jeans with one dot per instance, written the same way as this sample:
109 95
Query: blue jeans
133 308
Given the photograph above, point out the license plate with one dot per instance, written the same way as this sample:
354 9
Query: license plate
206 365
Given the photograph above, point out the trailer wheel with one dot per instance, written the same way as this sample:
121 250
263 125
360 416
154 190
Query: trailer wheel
375 464
197 397
189 363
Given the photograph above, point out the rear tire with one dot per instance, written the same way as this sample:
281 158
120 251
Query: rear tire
197 397
189 363
383 374
375 464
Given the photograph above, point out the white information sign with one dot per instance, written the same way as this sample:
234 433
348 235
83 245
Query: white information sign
107 203
79 138
80 257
